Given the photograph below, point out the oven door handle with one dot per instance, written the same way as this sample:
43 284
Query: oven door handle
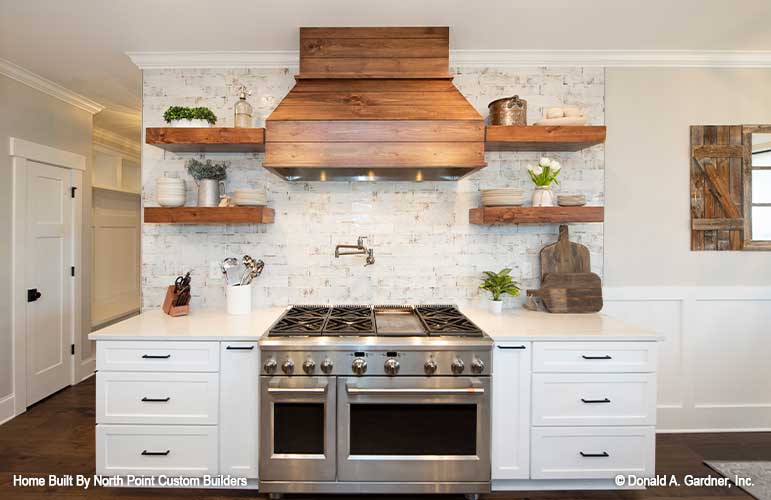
296 390
414 390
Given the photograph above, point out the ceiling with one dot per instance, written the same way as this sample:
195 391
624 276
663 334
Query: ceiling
81 44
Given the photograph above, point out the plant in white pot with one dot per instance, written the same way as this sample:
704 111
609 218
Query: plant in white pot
210 177
499 284
542 176
180 116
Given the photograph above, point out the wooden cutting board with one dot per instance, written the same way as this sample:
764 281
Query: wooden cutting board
564 256
568 293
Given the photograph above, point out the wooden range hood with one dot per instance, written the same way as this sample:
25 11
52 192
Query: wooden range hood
374 104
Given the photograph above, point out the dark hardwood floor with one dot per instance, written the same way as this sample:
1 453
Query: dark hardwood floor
56 436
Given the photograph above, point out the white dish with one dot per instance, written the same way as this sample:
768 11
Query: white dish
169 202
565 122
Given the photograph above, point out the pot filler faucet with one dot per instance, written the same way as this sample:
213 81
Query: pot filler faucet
358 249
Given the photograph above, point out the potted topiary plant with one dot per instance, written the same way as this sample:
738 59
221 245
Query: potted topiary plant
498 284
180 116
210 177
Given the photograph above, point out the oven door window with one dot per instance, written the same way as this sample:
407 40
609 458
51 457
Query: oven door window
413 429
298 428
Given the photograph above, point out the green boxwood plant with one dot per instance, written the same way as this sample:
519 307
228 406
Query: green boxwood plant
183 113
500 283
207 169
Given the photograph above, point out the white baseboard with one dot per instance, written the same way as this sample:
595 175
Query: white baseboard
7 409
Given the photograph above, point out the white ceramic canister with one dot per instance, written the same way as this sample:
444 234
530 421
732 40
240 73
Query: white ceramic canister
238 299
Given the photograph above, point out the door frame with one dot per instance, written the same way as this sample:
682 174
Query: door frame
22 151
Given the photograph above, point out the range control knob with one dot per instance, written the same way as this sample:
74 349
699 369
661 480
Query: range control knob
308 366
477 366
288 366
326 366
391 367
359 366
430 367
457 366
270 366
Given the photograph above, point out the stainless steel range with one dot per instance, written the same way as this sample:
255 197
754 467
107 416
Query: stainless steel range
375 399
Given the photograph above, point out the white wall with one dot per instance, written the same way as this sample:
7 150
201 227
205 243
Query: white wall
31 115
714 369
647 216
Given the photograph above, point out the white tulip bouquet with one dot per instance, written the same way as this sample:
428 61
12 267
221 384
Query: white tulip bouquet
545 172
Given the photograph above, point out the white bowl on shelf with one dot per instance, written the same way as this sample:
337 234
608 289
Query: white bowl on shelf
170 201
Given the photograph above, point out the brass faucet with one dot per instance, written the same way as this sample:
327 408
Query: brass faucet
359 249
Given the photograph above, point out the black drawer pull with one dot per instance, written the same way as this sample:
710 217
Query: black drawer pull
588 401
596 357
511 347
156 400
239 348
155 453
154 356
593 455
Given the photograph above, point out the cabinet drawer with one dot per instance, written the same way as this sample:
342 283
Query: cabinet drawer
594 399
156 449
592 452
177 356
594 357
157 398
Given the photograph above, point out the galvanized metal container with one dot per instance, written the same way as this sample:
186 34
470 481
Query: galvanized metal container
508 111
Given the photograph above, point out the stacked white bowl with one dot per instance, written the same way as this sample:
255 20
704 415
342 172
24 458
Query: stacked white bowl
503 197
170 191
250 197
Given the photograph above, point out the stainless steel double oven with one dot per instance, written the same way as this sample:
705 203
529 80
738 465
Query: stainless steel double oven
409 421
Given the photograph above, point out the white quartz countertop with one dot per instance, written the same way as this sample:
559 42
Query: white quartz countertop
515 325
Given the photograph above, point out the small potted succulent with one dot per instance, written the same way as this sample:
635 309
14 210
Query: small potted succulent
180 116
499 284
210 177
542 176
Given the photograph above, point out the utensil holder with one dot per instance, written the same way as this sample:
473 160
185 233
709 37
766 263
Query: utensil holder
238 299
168 303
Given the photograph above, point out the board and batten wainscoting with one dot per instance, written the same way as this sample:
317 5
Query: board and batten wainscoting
714 373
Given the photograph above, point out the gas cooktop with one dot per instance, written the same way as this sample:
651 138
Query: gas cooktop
378 320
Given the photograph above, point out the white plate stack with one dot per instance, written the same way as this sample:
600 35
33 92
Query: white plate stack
170 192
503 197
571 200
250 197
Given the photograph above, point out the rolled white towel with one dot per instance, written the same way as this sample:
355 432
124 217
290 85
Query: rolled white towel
555 113
573 111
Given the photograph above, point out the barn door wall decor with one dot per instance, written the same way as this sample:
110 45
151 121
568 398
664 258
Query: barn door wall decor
717 187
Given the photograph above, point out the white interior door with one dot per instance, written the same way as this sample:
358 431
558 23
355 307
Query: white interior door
48 257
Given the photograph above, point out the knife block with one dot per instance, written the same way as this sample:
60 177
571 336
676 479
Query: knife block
168 302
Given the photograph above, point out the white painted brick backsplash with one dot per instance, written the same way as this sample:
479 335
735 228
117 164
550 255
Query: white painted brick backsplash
425 249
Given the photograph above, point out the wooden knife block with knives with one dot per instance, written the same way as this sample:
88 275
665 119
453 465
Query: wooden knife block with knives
567 285
177 300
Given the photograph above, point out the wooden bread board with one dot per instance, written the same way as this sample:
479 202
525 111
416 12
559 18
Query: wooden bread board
568 293
564 256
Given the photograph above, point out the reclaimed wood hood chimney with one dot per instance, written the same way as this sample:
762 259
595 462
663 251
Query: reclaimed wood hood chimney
374 104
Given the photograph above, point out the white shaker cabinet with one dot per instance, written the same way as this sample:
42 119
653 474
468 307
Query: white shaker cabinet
239 408
511 410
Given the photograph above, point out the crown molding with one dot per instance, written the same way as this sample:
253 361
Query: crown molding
478 58
46 86
110 142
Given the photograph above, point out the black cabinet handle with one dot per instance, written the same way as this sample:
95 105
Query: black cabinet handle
591 455
154 356
156 400
589 401
596 357
239 348
511 347
155 453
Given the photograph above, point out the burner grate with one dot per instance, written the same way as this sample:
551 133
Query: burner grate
301 320
350 320
447 320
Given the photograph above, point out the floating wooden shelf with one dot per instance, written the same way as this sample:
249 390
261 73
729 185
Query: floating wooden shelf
209 140
210 215
535 215
537 138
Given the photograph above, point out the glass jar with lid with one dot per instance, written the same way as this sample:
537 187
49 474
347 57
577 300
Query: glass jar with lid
243 110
